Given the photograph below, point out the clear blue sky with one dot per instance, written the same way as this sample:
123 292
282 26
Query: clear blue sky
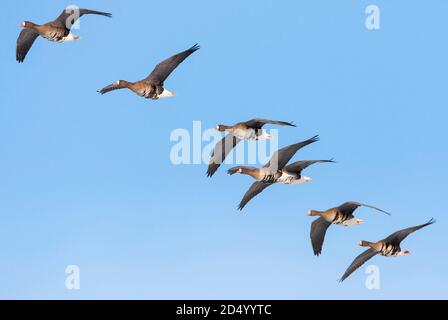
87 179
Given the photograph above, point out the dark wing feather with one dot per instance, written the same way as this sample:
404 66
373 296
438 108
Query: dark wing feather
281 157
24 43
350 206
255 189
359 261
219 154
164 69
69 16
397 237
298 166
318 229
260 122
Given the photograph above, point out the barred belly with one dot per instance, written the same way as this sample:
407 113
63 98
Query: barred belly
390 250
341 218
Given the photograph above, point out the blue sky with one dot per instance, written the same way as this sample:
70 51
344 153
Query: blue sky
87 179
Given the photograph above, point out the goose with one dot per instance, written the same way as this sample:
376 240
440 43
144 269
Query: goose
56 31
341 215
276 171
248 130
152 87
388 247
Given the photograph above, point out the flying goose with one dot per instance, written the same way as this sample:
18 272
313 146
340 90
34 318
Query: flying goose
276 171
56 31
248 130
388 247
152 87
341 215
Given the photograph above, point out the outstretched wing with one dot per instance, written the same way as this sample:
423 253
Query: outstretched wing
219 154
281 157
24 43
350 206
255 189
359 261
164 69
70 15
318 229
260 122
397 237
298 166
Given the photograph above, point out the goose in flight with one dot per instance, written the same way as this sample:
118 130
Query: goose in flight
341 215
388 247
248 130
152 87
276 170
56 31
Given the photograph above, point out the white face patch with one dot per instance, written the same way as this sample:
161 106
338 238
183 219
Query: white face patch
117 83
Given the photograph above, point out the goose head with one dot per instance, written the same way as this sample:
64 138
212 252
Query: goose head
365 243
313 213
220 127
26 24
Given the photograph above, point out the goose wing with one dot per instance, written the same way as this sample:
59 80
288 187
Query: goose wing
318 230
24 43
359 261
219 154
254 190
164 68
350 206
298 166
281 157
260 122
70 15
397 237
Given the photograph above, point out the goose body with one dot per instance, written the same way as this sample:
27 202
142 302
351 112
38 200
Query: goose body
391 250
250 134
292 178
277 170
388 247
248 130
58 30
152 87
341 215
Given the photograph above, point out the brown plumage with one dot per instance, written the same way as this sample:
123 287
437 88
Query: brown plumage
152 87
248 130
57 30
340 215
276 170
388 247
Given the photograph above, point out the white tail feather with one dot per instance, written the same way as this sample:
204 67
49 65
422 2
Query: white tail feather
71 37
166 94
265 136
